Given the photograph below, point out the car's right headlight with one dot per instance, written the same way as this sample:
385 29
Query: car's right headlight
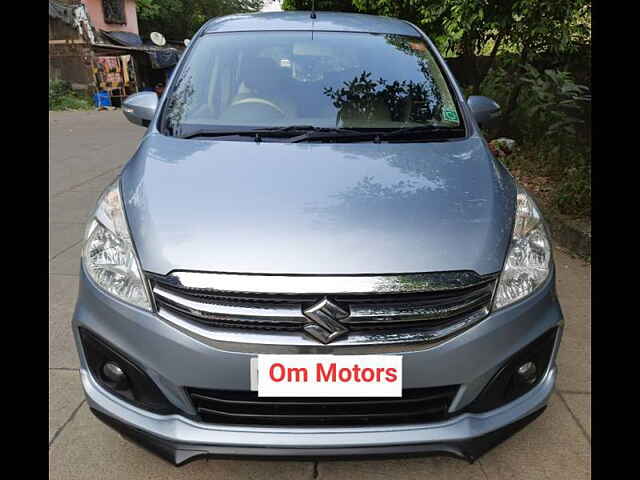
108 255
528 261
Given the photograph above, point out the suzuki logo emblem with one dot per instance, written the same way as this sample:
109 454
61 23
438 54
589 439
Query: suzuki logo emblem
324 325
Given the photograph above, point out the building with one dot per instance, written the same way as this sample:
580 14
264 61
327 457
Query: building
113 15
95 45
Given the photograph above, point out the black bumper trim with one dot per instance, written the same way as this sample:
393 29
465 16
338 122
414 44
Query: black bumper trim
180 454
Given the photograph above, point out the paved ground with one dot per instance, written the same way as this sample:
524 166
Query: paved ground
87 151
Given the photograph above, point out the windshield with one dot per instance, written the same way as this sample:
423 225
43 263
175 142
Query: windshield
316 79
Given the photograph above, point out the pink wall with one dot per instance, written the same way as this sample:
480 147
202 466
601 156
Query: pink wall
94 8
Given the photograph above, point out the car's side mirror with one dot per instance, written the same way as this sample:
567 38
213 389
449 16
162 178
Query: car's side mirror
140 108
484 110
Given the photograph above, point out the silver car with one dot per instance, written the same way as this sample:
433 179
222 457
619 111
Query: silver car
313 253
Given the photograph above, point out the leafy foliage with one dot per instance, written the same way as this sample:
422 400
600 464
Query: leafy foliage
573 194
179 19
554 103
62 97
321 5
562 181
526 28
551 121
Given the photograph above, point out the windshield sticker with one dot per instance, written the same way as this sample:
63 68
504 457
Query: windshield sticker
450 115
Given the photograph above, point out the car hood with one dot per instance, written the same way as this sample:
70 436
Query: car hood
308 208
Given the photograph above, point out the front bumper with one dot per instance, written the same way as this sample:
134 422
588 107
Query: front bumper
173 359
181 453
179 440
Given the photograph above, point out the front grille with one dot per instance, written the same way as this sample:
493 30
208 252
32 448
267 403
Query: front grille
464 303
417 405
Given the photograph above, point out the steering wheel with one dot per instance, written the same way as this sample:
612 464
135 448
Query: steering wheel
260 101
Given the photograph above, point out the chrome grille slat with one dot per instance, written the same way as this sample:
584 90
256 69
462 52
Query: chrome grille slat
387 315
258 313
360 313
324 284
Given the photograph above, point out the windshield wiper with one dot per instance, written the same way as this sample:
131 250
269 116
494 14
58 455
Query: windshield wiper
421 132
424 132
302 133
285 132
332 134
252 132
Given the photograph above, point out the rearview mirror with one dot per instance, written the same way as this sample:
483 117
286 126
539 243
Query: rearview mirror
485 110
140 108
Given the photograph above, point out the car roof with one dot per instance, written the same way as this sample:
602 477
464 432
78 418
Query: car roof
300 20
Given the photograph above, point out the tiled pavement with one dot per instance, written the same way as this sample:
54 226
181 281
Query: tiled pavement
86 152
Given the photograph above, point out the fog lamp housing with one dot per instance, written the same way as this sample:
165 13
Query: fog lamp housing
527 372
121 376
113 374
519 374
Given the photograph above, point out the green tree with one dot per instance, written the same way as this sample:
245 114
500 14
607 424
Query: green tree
468 28
550 30
320 5
179 19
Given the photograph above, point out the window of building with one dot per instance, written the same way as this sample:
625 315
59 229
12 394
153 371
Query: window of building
114 11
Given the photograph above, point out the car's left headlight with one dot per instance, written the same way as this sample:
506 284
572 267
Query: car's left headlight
108 254
528 261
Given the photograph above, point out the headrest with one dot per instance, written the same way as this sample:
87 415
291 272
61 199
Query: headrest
262 74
